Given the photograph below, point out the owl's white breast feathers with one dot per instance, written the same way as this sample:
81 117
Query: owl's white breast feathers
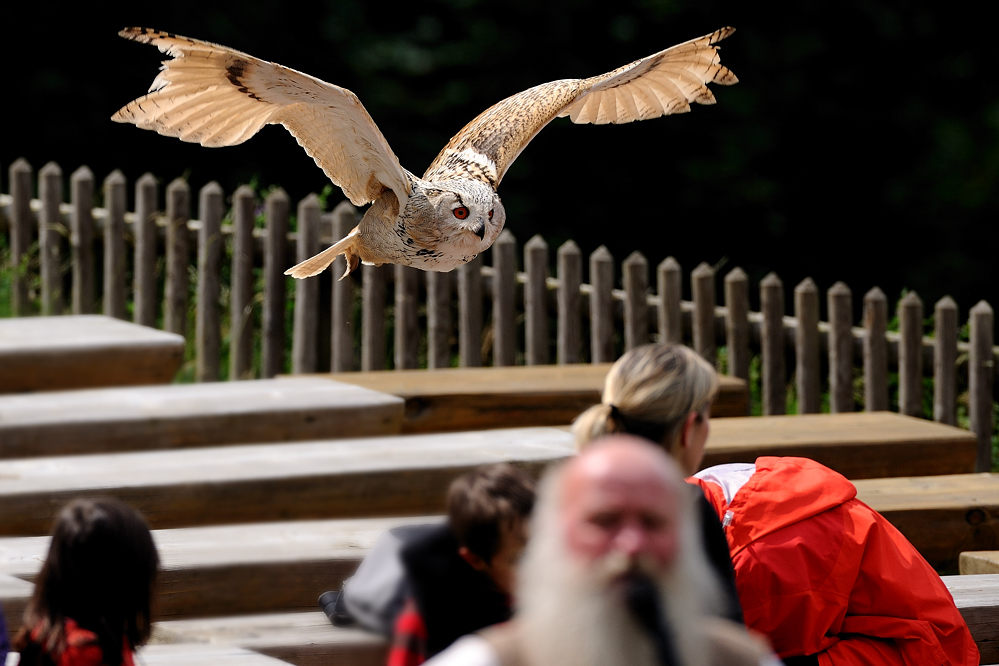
217 96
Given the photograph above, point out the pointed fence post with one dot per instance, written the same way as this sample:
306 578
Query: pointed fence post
20 173
875 351
208 335
438 320
774 369
82 240
737 323
670 284
244 204
536 301
981 375
806 346
702 286
635 277
344 289
276 209
144 276
178 200
49 237
839 302
305 331
115 201
470 313
504 253
407 332
945 361
601 306
570 277
910 355
373 279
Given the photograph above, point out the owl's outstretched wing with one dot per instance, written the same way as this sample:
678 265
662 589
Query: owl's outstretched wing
216 96
661 84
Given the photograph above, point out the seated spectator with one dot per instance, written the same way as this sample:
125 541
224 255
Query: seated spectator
663 393
613 574
826 577
91 601
461 575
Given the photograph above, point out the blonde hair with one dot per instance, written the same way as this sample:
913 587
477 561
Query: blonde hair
649 392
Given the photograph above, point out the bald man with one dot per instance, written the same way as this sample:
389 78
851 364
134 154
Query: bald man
613 574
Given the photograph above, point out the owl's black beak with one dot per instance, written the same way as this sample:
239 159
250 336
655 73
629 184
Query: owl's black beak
479 229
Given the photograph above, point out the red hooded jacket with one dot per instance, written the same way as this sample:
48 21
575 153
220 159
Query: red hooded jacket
820 572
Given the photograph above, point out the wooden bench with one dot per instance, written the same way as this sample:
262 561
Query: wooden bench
979 562
858 445
14 595
377 476
977 597
941 515
201 654
232 569
304 639
455 399
176 416
59 353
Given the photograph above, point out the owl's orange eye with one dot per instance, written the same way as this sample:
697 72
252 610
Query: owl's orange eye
461 212
490 215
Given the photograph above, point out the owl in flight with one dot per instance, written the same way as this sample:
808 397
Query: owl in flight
216 96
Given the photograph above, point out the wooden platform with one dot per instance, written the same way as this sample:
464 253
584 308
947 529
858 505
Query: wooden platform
941 515
177 416
59 353
303 639
378 476
14 595
233 569
977 597
455 399
200 654
859 445
977 562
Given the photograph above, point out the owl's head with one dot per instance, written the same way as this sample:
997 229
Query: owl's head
469 212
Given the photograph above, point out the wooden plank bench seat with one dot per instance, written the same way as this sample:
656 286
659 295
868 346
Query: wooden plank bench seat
177 416
202 654
303 639
14 595
979 562
456 399
859 445
376 476
232 569
59 353
977 597
941 515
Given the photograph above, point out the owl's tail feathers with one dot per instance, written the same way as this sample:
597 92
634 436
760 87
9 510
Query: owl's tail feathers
346 246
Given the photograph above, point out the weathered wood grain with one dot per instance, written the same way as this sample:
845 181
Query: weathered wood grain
457 399
275 262
774 372
178 204
305 332
860 445
373 316
85 351
19 184
635 280
536 302
439 328
366 477
50 235
342 310
737 322
910 355
207 331
188 415
14 595
81 187
470 313
977 597
304 639
200 654
570 276
806 346
601 306
115 261
406 330
504 254
981 378
669 279
875 351
839 301
945 361
144 287
702 290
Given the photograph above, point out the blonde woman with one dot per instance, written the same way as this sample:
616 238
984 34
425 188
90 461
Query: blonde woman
663 393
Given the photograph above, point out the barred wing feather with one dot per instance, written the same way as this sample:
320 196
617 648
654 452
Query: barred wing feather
217 96
663 83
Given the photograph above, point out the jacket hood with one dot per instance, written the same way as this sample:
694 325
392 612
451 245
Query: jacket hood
782 492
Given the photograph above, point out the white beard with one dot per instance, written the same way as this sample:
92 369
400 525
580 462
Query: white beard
570 614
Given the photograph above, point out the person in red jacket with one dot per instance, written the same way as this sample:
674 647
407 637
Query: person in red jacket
826 577
91 601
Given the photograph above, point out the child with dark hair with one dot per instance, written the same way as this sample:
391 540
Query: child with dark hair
91 605
461 575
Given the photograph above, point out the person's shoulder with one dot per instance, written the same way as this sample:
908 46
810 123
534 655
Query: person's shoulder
471 650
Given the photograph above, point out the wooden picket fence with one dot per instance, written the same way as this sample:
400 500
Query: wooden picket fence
532 298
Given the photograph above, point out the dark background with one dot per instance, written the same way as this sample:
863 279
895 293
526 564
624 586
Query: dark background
860 145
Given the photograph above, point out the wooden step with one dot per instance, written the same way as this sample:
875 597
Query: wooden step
14 595
859 445
84 351
457 399
188 415
941 515
233 569
303 639
201 654
377 476
977 597
979 562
